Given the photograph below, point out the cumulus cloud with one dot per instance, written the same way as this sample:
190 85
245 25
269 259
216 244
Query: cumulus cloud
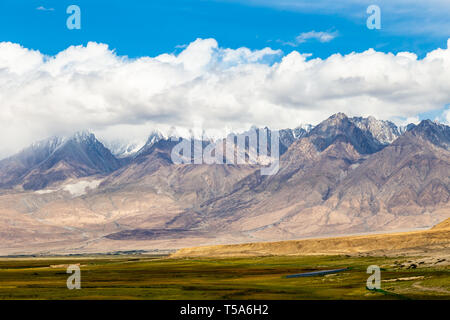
205 86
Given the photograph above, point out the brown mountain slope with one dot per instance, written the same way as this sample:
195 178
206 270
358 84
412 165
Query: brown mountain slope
405 178
308 170
443 225
326 187
56 160
335 180
397 243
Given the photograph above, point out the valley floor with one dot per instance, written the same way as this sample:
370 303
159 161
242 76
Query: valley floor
163 277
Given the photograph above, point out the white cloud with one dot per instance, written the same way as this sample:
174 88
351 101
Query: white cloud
42 8
409 120
446 116
205 86
320 36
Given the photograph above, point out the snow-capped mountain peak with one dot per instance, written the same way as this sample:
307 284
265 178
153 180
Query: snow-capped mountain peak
385 132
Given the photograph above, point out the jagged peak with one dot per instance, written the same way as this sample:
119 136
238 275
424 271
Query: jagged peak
155 136
57 141
427 123
336 121
433 131
52 141
339 115
83 136
153 139
382 130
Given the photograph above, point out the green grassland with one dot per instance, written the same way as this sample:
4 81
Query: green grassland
147 277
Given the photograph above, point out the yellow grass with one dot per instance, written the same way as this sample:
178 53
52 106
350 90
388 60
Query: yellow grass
419 241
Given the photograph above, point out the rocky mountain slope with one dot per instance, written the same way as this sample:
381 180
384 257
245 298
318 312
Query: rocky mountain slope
343 176
56 160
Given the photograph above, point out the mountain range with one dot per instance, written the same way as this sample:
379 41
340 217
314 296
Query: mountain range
343 176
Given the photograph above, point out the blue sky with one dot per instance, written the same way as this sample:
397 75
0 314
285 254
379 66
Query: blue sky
147 28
